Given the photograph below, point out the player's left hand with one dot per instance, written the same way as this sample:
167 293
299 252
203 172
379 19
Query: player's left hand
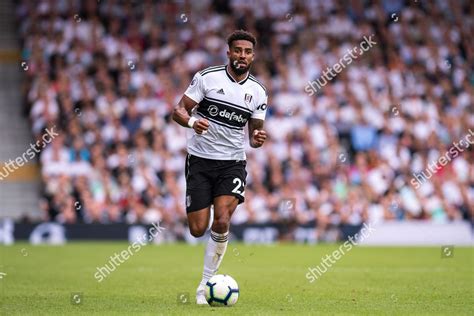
258 137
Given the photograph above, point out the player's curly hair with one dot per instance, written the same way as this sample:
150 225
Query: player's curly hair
241 35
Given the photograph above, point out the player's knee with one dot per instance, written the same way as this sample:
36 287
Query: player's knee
220 227
221 224
197 230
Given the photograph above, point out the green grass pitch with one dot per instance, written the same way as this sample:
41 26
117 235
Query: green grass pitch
41 280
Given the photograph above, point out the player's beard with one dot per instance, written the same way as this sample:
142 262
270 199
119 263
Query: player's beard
238 69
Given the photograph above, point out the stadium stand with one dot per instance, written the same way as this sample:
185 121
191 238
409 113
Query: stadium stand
108 73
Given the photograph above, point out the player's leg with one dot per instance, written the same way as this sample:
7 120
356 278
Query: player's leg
228 193
198 195
198 221
224 207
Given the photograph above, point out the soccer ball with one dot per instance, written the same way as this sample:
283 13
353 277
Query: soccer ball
222 290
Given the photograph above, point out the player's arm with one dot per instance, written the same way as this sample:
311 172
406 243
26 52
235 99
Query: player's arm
192 96
182 115
257 135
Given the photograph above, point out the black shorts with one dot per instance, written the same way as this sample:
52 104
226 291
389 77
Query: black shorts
208 178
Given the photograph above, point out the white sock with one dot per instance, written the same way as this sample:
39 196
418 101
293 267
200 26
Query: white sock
215 250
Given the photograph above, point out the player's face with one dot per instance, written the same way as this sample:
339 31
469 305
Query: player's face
240 56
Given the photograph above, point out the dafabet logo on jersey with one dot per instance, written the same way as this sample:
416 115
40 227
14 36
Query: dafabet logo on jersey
231 116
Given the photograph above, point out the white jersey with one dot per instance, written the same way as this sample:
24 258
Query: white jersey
227 105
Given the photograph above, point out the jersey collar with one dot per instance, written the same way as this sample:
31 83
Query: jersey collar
233 80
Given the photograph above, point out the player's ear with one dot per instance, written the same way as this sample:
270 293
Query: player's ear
252 58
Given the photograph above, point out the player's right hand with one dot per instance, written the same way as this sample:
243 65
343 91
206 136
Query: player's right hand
201 126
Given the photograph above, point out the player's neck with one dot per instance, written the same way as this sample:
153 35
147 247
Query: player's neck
236 77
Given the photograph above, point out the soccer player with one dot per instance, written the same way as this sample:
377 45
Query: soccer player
217 105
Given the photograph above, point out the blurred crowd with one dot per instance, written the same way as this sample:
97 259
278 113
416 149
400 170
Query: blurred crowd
108 74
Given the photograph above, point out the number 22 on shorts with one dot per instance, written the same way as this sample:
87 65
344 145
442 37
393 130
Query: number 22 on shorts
238 186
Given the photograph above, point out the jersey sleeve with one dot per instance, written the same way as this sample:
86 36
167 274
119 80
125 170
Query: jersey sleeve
196 90
261 109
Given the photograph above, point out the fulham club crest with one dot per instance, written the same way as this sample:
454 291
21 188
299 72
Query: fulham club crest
248 98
